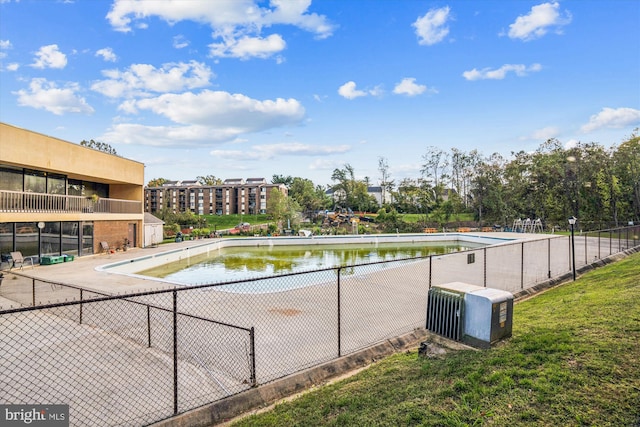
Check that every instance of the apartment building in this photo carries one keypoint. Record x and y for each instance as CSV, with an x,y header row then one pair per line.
x,y
57,197
233,196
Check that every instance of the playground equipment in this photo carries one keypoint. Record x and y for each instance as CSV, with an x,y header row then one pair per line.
x,y
527,226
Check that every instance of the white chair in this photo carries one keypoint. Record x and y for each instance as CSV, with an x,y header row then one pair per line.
x,y
18,259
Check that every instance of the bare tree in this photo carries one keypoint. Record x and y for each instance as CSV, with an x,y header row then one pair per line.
x,y
385,182
435,167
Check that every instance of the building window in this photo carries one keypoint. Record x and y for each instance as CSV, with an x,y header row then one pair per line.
x,y
10,179
50,239
56,184
6,237
87,238
27,238
35,182
75,187
70,243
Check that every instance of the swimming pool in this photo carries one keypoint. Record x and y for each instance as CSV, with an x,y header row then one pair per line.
x,y
241,263
224,260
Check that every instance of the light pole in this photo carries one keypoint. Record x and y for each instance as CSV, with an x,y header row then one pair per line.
x,y
572,222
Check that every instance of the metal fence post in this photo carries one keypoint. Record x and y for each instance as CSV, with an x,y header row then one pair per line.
x,y
627,245
549,258
252,343
522,266
81,306
175,352
149,326
586,256
430,269
599,256
619,241
484,250
33,292
339,316
610,241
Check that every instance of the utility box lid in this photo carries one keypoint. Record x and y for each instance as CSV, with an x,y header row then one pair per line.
x,y
459,287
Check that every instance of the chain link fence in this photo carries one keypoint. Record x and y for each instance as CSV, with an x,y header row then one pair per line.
x,y
141,358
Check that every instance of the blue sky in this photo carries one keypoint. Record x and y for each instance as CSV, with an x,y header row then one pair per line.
x,y
247,88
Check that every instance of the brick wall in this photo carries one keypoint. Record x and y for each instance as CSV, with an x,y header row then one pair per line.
x,y
114,233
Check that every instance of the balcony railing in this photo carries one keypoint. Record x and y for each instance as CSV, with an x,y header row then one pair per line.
x,y
19,201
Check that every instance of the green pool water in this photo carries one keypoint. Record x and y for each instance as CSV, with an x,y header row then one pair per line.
x,y
241,263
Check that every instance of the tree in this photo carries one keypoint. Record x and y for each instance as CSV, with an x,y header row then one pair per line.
x,y
281,179
345,186
385,178
311,199
488,190
350,192
209,180
627,168
100,146
156,182
435,167
283,209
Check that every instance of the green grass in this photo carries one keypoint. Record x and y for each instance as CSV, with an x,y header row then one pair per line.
x,y
574,359
230,221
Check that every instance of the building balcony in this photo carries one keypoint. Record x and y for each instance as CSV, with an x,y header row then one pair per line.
x,y
20,201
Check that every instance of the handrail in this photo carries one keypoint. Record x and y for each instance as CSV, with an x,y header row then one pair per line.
x,y
21,201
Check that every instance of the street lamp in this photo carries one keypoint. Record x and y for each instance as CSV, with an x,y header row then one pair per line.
x,y
572,222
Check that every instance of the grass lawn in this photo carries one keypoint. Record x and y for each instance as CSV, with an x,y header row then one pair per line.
x,y
229,221
574,359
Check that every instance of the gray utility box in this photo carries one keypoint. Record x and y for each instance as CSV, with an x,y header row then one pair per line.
x,y
472,314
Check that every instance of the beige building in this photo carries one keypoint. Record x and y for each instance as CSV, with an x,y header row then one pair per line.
x,y
57,197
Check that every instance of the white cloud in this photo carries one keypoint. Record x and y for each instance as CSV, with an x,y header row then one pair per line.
x,y
142,79
500,73
349,91
50,57
431,28
5,44
166,136
237,24
326,164
224,110
45,95
540,19
545,133
205,118
612,118
180,42
269,151
248,47
107,54
13,66
409,87
572,143
3,54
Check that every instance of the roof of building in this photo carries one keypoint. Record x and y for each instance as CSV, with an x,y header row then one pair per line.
x,y
150,219
234,181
